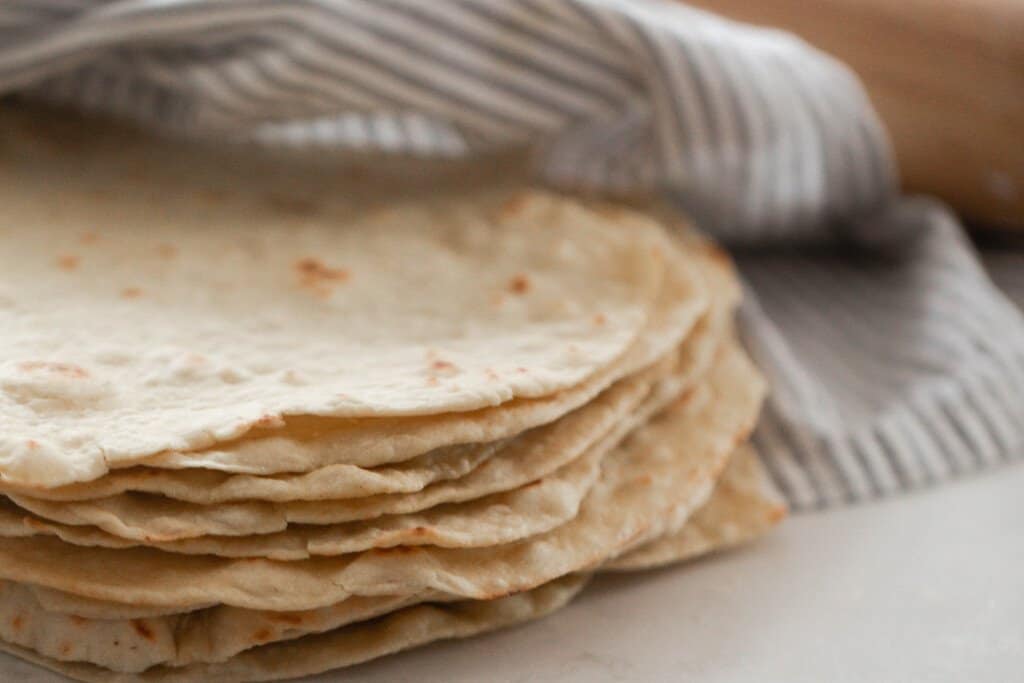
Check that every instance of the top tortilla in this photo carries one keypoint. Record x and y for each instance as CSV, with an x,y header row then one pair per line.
x,y
171,320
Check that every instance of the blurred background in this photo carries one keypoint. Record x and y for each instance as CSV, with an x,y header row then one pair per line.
x,y
947,78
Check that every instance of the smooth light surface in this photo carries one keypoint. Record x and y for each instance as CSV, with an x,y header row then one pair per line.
x,y
923,588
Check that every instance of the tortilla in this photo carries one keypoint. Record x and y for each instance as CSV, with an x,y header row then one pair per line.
x,y
745,505
666,466
346,646
524,459
492,520
98,371
742,506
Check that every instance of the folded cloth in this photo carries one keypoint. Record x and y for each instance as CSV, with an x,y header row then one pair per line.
x,y
894,360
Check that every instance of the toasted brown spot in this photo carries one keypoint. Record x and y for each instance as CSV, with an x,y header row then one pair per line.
x,y
520,284
65,648
317,277
419,531
167,251
261,636
777,514
17,622
66,369
67,262
143,629
443,366
296,206
600,319
513,205
131,293
89,238
268,421
32,444
644,480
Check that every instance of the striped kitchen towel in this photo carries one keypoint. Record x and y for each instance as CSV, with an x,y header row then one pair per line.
x,y
895,362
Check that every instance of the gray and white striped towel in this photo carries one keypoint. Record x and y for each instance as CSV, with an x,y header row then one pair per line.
x,y
895,361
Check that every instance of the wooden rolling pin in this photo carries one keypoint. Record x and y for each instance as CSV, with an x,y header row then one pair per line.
x,y
947,77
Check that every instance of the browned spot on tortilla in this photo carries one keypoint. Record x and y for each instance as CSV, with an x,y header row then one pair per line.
x,y
520,284
295,206
433,381
32,444
286,618
444,367
65,648
419,531
77,620
67,262
261,636
89,238
777,514
686,396
65,369
644,480
269,421
514,205
143,629
600,319
167,251
317,277
131,293
17,622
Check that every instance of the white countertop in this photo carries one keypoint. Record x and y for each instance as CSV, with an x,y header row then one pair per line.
x,y
928,587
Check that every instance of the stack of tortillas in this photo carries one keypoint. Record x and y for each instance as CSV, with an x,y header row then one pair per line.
x,y
257,423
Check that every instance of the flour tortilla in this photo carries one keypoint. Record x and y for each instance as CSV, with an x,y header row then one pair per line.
x,y
492,520
524,459
512,513
742,506
340,481
668,465
306,443
347,646
118,345
745,505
